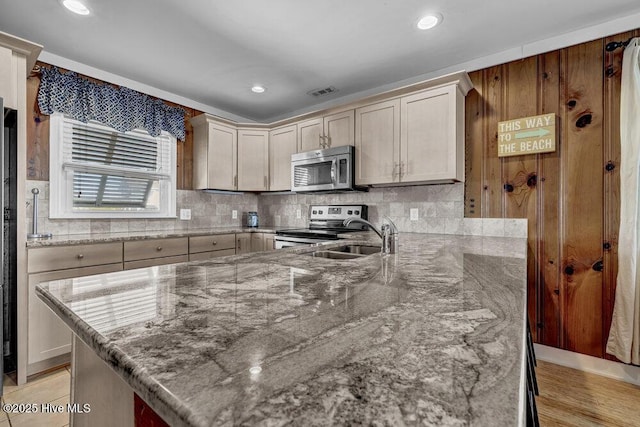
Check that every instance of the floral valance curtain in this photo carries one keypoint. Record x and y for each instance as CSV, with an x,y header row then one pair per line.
x,y
120,108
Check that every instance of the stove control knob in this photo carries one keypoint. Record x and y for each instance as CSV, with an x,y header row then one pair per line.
x,y
320,212
357,212
349,212
315,212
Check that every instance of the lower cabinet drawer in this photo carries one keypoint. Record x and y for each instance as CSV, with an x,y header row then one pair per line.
x,y
211,243
128,265
52,258
201,256
155,248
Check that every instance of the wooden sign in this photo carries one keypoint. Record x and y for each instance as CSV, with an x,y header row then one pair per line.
x,y
536,134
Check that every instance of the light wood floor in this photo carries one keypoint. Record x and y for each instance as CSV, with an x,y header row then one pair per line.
x,y
51,388
574,398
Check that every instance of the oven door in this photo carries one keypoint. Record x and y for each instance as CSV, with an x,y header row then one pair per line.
x,y
322,173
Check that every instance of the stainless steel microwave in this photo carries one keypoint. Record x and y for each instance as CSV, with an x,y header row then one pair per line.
x,y
330,169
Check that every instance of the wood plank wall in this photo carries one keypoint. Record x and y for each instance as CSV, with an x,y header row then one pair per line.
x,y
38,138
570,197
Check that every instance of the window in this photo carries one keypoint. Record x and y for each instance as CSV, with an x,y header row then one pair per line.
x,y
98,172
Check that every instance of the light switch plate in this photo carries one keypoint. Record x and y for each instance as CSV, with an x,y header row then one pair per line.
x,y
234,214
298,213
185,214
413,214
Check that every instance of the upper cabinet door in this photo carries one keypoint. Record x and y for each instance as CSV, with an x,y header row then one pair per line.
x,y
253,160
432,136
377,140
282,144
215,155
8,78
222,157
339,129
309,135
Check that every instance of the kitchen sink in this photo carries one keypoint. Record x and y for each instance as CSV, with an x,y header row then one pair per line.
x,y
358,249
334,255
346,252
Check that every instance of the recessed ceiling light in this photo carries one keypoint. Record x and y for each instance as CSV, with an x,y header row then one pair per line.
x,y
258,89
76,7
429,21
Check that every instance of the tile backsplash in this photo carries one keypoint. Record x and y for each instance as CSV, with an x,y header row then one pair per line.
x,y
440,210
207,210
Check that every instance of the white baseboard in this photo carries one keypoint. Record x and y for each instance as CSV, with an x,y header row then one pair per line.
x,y
594,365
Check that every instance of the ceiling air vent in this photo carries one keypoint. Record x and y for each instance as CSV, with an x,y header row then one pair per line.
x,y
323,92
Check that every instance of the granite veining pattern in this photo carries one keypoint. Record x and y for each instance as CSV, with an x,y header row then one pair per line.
x,y
431,335
89,238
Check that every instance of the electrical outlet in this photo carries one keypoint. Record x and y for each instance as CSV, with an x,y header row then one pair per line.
x,y
298,213
413,214
234,214
185,214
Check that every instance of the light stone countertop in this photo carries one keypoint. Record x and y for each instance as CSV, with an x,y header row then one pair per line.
x,y
431,335
82,239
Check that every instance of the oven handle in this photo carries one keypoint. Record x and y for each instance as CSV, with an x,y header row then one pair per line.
x,y
307,240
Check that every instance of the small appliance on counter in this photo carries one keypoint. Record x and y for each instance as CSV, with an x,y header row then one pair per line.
x,y
325,223
252,219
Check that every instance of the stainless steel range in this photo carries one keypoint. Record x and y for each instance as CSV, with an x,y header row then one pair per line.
x,y
325,224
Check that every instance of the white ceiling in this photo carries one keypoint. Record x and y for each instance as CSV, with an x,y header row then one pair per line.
x,y
213,51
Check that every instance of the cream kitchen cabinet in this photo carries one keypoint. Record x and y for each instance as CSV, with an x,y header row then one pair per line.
x,y
17,58
377,143
150,252
207,247
282,144
243,243
215,154
334,130
269,241
432,136
48,338
417,138
8,78
253,160
262,242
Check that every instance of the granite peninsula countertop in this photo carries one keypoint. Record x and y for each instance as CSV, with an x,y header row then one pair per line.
x,y
89,238
432,335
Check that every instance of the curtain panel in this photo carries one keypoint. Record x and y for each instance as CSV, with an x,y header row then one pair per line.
x,y
120,108
624,336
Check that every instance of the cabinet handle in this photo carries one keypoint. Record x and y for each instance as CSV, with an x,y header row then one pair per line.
x,y
215,243
159,248
235,181
402,172
394,172
80,256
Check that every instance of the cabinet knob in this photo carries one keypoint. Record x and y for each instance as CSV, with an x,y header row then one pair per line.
x,y
215,243
159,248
80,256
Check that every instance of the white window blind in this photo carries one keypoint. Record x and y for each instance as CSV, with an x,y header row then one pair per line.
x,y
106,173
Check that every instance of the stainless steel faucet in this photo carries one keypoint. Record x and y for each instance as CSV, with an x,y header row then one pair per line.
x,y
388,233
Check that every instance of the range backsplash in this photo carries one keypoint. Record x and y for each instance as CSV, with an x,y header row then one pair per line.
x,y
440,207
440,210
